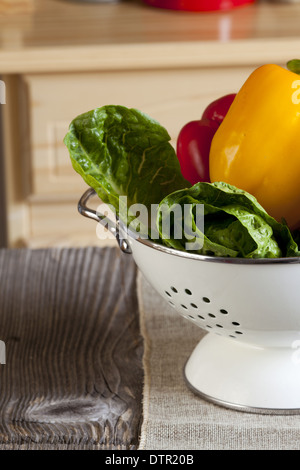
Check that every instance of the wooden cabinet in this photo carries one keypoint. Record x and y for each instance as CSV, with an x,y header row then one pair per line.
x,y
46,214
172,81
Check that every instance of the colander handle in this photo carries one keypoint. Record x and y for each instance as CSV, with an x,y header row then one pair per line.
x,y
113,227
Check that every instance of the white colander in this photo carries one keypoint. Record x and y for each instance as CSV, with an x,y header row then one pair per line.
x,y
250,358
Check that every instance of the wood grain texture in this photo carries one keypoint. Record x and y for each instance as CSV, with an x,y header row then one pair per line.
x,y
73,374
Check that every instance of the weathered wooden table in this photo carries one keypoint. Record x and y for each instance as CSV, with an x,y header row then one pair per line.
x,y
73,374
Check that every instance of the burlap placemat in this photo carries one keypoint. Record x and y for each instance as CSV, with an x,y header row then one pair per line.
x,y
177,419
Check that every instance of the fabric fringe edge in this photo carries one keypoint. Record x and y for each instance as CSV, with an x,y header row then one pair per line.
x,y
146,363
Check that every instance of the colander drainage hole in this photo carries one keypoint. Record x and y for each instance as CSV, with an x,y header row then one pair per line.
x,y
194,305
188,292
212,315
168,293
184,306
200,316
206,299
174,289
224,311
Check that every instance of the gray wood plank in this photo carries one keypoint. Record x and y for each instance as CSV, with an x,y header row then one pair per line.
x,y
73,374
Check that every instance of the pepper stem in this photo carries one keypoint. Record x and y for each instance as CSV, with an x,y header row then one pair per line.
x,y
294,66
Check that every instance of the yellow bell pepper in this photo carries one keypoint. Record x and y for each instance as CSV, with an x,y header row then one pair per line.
x,y
257,146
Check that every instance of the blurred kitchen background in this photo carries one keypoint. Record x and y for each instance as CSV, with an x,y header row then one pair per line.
x,y
60,58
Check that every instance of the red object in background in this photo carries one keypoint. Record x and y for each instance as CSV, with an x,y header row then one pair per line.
x,y
194,140
198,5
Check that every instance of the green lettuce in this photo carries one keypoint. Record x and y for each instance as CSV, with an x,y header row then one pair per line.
x,y
235,224
123,152
127,158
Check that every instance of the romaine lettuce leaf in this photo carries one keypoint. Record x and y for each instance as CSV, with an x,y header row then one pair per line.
x,y
123,152
235,224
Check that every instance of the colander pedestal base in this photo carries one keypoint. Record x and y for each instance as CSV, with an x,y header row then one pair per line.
x,y
245,377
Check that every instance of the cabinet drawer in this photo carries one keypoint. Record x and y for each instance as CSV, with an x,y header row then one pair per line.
x,y
59,224
172,97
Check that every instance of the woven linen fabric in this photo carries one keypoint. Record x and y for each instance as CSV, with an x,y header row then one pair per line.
x,y
177,419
